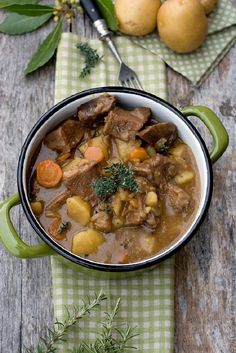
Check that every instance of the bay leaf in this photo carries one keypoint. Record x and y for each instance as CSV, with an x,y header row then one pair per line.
x,y
20,24
46,49
107,10
30,9
6,3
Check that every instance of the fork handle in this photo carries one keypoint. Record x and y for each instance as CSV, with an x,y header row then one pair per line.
x,y
95,17
91,10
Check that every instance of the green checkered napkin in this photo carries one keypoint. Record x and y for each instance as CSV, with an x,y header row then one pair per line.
x,y
198,65
147,300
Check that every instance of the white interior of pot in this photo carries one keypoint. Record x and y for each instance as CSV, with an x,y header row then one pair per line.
x,y
130,100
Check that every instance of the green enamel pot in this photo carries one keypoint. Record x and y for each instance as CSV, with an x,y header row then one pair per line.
x,y
12,241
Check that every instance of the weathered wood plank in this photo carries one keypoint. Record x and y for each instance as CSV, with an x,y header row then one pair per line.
x,y
206,267
25,286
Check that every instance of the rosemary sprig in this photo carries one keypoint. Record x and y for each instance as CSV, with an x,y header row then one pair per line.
x,y
92,58
58,333
111,339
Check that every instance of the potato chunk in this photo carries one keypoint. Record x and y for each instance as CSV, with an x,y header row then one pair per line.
x,y
117,204
184,177
37,207
178,150
151,199
151,151
87,242
78,209
124,148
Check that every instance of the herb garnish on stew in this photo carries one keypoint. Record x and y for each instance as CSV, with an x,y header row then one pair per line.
x,y
62,227
120,176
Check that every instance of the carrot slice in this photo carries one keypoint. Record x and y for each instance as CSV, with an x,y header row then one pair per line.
x,y
48,173
138,153
56,231
94,154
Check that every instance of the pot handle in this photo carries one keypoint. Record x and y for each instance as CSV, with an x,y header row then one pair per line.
x,y
11,240
215,126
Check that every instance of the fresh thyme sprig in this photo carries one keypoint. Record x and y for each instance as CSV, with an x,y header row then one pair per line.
x,y
27,16
58,333
111,339
124,176
92,58
119,176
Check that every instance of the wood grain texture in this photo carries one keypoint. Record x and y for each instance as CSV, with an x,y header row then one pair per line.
x,y
25,286
205,268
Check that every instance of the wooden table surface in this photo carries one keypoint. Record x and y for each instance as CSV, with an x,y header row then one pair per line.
x,y
205,281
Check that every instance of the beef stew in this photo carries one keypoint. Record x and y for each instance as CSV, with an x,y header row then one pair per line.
x,y
114,185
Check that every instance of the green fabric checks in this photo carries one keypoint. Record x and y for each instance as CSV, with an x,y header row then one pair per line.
x,y
198,65
150,69
147,300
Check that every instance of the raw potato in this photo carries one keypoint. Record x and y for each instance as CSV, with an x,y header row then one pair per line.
x,y
209,5
79,210
182,25
137,17
87,242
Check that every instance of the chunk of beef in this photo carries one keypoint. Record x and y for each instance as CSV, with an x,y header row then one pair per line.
x,y
96,108
159,134
156,169
124,124
135,217
78,176
144,185
65,137
134,212
102,221
58,201
152,220
178,199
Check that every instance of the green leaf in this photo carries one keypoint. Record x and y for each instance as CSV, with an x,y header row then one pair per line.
x,y
107,9
6,3
30,10
20,24
46,50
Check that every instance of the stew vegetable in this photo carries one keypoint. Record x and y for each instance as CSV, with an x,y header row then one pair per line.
x,y
112,184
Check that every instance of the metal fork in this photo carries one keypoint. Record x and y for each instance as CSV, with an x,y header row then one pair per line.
x,y
127,76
